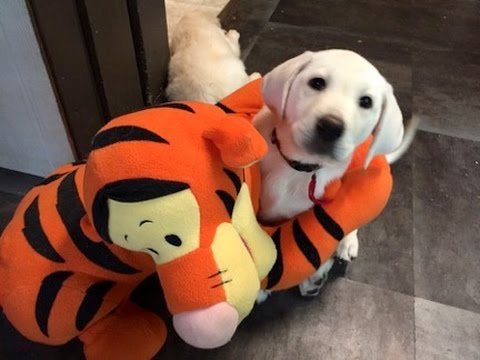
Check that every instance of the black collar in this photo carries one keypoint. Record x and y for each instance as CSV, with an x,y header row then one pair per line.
x,y
294,164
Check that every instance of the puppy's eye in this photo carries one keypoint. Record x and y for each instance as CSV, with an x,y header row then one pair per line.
x,y
317,83
365,102
173,239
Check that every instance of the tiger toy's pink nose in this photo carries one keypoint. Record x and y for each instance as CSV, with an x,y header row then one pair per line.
x,y
207,328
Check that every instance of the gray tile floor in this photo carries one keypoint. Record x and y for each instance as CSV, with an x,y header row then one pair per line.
x,y
414,291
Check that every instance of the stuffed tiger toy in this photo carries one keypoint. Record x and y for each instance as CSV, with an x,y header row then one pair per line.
x,y
163,184
172,184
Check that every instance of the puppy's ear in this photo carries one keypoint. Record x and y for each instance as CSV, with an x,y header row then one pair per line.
x,y
388,133
278,82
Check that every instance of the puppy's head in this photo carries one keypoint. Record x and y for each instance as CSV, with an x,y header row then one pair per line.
x,y
328,102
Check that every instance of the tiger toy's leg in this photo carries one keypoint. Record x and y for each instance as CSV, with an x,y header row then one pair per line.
x,y
56,308
130,332
63,305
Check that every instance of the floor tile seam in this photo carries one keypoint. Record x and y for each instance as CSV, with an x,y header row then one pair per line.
x,y
445,133
352,33
267,16
447,305
248,49
414,237
259,23
414,324
378,287
19,191
411,43
428,46
415,287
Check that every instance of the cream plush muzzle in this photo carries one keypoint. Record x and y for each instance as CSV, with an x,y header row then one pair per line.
x,y
245,253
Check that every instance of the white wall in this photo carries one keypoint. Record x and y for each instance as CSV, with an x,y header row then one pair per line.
x,y
32,135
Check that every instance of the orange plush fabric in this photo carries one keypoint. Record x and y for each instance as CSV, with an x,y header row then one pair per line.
x,y
155,192
310,239
162,192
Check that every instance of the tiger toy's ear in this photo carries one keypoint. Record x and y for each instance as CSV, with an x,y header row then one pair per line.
x,y
239,143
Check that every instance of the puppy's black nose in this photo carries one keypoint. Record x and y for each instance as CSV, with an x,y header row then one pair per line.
x,y
330,128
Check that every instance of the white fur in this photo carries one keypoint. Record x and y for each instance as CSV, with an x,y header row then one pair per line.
x,y
347,250
205,64
293,108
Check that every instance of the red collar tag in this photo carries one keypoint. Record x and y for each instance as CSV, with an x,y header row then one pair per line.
x,y
311,192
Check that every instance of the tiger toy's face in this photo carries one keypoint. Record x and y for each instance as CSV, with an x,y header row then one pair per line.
x,y
167,182
151,225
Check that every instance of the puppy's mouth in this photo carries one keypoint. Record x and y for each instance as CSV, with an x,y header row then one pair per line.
x,y
325,152
324,149
328,154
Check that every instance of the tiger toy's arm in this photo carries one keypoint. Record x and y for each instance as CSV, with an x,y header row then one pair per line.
x,y
307,241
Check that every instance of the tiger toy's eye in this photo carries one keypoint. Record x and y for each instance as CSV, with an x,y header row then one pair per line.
x,y
155,226
173,240
365,102
317,83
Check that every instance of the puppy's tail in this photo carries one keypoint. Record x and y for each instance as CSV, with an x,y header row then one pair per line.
x,y
410,131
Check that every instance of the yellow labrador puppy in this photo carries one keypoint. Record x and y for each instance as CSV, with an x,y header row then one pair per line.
x,y
319,106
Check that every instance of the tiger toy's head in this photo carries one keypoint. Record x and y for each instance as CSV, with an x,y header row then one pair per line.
x,y
168,181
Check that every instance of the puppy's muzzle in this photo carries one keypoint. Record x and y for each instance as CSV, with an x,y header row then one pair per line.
x,y
329,128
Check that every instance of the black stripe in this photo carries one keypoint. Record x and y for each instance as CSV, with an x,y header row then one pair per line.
x,y
178,106
141,189
35,235
225,108
276,273
91,303
328,223
50,179
47,294
227,200
235,179
71,211
124,133
305,245
131,190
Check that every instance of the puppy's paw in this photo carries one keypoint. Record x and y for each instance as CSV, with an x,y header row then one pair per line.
x,y
255,76
347,252
262,295
233,35
348,247
310,288
313,285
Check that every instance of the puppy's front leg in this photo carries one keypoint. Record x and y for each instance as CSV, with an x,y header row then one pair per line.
x,y
233,38
347,250
348,247
254,76
313,285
